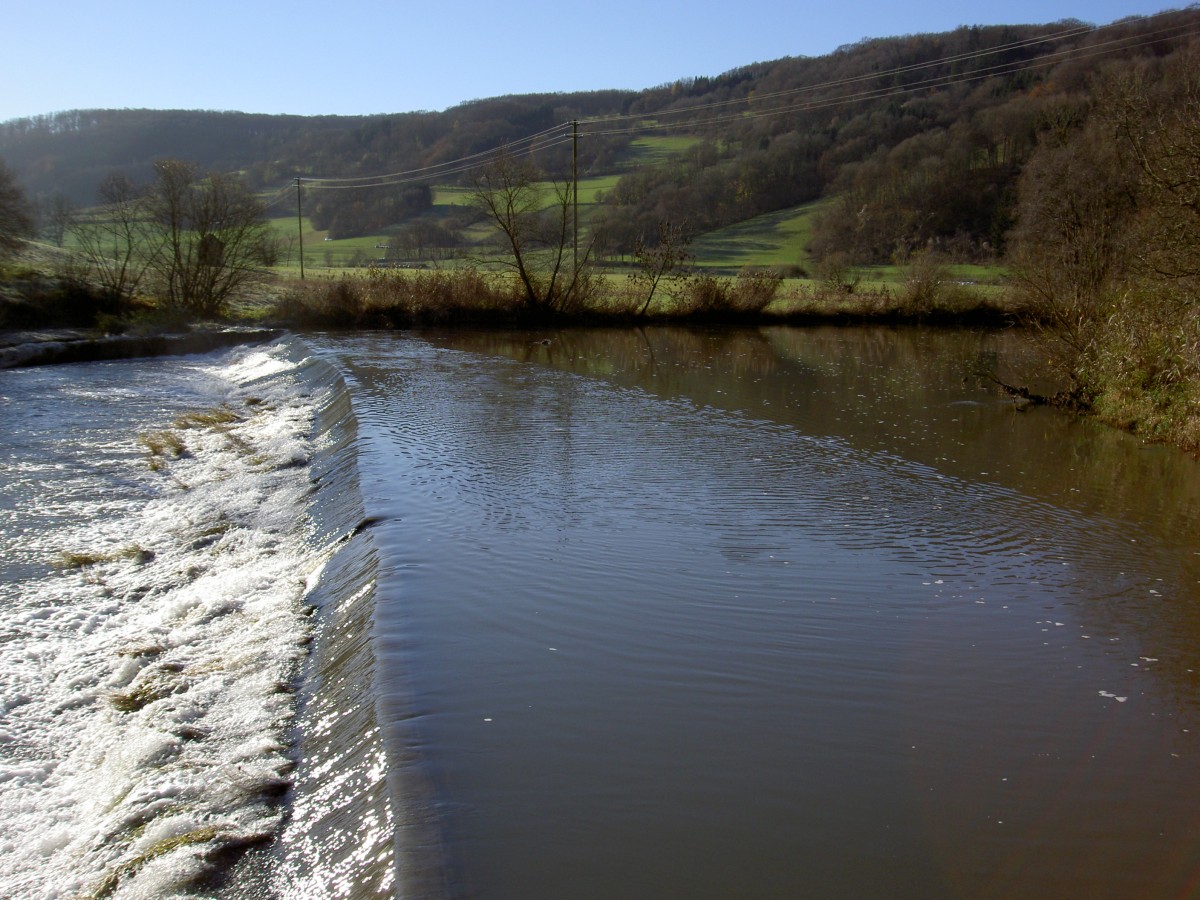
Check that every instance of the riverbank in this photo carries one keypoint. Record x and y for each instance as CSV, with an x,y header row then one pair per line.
x,y
39,348
1134,385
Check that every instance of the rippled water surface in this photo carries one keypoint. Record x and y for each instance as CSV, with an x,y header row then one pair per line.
x,y
777,613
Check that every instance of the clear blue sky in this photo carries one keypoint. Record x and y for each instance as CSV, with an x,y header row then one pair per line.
x,y
352,57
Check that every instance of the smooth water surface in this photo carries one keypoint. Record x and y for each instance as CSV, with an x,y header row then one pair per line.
x,y
777,613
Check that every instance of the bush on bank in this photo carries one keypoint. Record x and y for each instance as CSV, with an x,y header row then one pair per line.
x,y
401,299
1142,370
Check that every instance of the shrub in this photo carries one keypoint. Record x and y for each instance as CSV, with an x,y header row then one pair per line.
x,y
1142,369
755,290
708,296
929,288
389,299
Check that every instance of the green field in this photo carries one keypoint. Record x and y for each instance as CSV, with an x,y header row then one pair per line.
x,y
775,239
321,252
651,151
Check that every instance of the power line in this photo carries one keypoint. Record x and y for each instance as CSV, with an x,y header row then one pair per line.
x,y
453,166
1130,42
284,193
842,82
440,170
559,135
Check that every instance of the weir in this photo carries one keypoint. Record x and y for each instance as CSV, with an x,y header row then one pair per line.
x,y
202,677
338,836
349,831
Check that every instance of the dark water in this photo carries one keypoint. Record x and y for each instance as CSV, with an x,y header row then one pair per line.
x,y
774,613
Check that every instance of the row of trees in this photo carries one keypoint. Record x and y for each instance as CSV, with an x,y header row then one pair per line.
x,y
1107,245
196,240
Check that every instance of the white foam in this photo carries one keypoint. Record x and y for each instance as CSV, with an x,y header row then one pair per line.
x,y
146,700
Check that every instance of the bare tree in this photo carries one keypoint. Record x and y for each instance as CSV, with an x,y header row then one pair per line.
x,y
659,260
116,239
1156,123
535,221
58,215
16,216
1068,247
214,237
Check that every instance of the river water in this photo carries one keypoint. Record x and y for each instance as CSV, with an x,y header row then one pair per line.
x,y
677,613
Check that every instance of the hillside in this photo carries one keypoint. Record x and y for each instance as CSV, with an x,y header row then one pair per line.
x,y
917,140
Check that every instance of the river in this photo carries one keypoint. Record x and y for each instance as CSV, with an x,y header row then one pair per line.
x,y
700,613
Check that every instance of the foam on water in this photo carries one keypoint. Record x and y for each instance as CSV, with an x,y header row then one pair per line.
x,y
148,687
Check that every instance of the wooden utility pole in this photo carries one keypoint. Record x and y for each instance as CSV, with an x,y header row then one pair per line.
x,y
575,192
300,226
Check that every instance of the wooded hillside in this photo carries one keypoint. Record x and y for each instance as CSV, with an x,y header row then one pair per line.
x,y
918,140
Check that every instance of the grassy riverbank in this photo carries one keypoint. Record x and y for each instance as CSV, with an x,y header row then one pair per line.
x,y
1132,382
468,296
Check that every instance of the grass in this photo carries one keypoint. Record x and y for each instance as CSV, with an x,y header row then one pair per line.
x,y
466,297
778,239
217,420
451,195
206,419
131,867
724,250
334,256
83,559
162,443
590,187
148,691
168,443
650,151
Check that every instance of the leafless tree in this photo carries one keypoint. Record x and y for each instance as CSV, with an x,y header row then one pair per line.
x,y
536,225
1154,115
117,240
1068,248
659,259
57,217
214,237
16,217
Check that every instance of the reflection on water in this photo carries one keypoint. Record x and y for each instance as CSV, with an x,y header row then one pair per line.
x,y
779,612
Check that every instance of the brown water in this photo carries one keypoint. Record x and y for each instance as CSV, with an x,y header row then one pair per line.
x,y
775,613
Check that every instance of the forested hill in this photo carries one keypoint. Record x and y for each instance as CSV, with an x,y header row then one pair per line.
x,y
921,137
69,153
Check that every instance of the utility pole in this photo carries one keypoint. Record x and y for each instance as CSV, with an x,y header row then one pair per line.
x,y
575,192
300,226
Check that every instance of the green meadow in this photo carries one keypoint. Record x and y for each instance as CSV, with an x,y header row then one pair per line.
x,y
654,150
778,240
